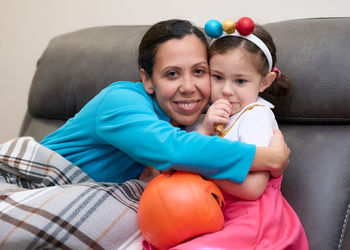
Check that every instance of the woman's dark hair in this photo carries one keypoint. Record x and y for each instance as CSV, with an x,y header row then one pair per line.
x,y
281,85
160,33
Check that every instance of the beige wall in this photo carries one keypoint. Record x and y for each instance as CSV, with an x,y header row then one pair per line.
x,y
27,26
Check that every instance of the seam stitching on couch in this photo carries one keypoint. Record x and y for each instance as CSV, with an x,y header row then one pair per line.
x,y
341,239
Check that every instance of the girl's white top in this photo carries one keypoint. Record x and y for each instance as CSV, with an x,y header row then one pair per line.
x,y
255,126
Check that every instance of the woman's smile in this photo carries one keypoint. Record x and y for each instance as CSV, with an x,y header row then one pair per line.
x,y
188,106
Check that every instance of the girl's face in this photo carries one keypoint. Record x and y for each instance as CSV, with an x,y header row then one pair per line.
x,y
234,77
180,81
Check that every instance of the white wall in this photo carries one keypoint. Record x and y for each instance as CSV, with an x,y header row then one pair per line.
x,y
27,26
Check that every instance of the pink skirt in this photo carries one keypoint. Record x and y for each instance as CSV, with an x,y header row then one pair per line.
x,y
267,223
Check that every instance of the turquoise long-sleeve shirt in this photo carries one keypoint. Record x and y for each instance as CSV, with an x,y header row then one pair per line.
x,y
122,129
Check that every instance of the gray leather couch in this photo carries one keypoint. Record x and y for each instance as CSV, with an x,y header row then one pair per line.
x,y
315,118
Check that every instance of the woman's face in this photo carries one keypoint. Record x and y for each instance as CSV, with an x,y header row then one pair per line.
x,y
180,81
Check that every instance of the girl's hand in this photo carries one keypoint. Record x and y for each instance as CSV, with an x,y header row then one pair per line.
x,y
218,113
282,153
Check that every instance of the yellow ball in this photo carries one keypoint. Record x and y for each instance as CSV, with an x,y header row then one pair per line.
x,y
229,26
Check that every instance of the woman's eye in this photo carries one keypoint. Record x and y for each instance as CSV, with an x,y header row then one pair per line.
x,y
199,71
172,74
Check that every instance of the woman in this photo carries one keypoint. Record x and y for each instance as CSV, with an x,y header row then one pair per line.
x,y
129,125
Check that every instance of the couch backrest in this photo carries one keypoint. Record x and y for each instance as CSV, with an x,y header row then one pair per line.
x,y
314,119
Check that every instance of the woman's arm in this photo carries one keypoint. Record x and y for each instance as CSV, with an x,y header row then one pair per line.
x,y
133,123
274,158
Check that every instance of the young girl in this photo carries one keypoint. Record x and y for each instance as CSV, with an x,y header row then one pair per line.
x,y
256,214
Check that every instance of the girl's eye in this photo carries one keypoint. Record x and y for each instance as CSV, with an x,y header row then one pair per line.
x,y
241,81
217,77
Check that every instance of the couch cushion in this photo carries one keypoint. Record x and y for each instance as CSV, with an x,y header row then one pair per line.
x,y
315,54
77,65
317,181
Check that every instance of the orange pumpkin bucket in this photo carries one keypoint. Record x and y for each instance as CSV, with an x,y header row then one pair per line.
x,y
177,206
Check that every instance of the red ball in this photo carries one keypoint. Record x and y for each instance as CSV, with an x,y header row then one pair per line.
x,y
245,26
177,206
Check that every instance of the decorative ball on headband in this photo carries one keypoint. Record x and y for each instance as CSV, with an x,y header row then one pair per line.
x,y
229,26
213,28
245,26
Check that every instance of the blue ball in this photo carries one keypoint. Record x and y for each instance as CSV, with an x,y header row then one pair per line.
x,y
213,28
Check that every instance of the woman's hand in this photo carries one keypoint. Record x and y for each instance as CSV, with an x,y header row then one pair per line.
x,y
218,113
149,173
282,153
274,158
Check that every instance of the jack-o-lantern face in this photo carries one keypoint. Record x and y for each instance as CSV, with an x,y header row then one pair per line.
x,y
177,206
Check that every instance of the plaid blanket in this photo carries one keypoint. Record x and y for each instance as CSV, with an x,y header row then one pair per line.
x,y
48,202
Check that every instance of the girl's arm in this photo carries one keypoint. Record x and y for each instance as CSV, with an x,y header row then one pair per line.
x,y
251,189
256,181
259,133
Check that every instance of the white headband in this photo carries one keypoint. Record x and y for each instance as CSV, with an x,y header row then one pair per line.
x,y
254,39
